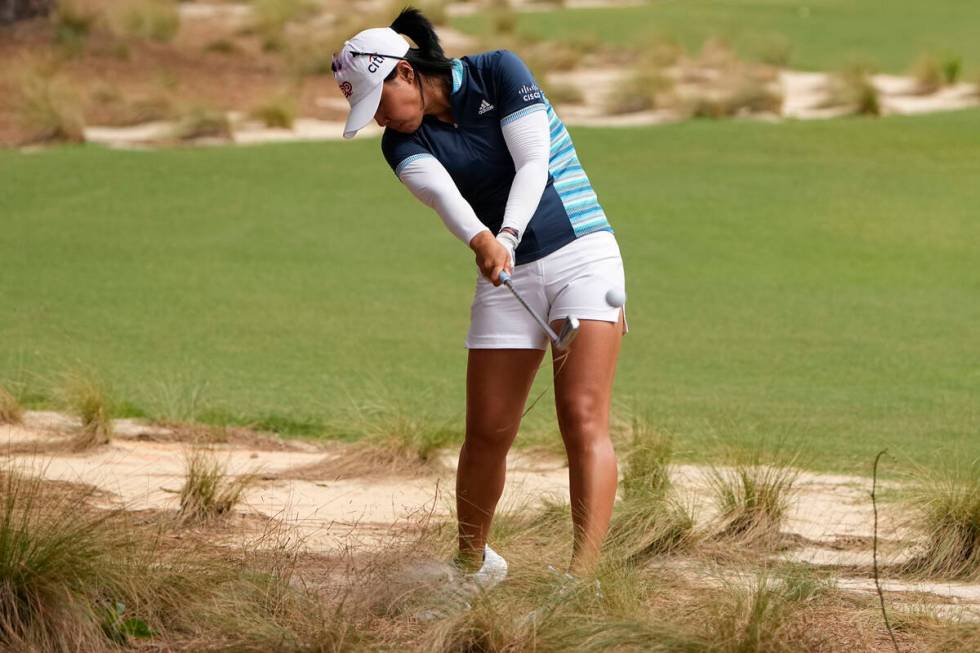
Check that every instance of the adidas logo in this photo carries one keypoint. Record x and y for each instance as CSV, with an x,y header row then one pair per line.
x,y
485,106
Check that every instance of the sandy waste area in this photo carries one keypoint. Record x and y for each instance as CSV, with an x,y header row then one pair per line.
x,y
805,95
830,523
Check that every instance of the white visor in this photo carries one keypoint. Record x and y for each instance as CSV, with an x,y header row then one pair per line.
x,y
360,69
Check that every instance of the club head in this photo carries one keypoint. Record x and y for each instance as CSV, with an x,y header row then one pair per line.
x,y
567,334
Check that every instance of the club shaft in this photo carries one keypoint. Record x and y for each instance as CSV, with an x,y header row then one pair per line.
x,y
544,325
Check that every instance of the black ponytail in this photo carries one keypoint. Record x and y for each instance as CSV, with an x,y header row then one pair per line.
x,y
428,58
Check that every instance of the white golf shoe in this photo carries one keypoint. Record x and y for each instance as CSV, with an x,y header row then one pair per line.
x,y
462,587
492,571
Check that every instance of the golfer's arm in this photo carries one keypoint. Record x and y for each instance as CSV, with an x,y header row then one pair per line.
x,y
528,139
430,182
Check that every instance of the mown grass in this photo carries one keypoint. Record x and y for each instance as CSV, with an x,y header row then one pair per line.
x,y
814,282
808,35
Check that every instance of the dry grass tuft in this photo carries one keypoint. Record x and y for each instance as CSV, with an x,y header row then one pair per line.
x,y
647,462
152,20
728,87
74,20
543,57
852,88
650,520
89,399
750,616
62,566
952,69
107,105
48,107
647,88
200,123
503,17
928,74
558,93
11,412
208,491
753,496
650,526
76,578
948,513
391,438
738,96
270,18
308,52
278,111
714,84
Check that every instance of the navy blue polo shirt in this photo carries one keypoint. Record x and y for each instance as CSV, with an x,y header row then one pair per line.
x,y
488,91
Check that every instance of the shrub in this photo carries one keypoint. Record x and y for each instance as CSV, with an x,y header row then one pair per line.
x,y
74,20
48,108
952,68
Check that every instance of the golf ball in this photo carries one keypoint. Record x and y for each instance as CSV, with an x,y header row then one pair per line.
x,y
616,297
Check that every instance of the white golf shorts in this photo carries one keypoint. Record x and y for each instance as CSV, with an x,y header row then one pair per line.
x,y
572,281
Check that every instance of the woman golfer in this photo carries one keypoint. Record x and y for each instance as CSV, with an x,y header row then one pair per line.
x,y
476,139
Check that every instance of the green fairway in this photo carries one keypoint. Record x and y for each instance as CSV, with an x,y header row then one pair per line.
x,y
817,282
823,34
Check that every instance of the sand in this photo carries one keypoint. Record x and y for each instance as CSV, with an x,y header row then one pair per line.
x,y
143,469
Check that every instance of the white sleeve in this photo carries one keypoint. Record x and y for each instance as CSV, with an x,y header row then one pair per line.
x,y
430,182
529,142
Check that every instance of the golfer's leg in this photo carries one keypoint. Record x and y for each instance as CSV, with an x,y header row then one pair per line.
x,y
497,385
583,393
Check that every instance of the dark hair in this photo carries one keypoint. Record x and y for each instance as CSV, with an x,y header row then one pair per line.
x,y
428,58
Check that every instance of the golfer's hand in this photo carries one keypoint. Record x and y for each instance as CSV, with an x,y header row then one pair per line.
x,y
491,256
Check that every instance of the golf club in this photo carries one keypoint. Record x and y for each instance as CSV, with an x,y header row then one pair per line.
x,y
569,329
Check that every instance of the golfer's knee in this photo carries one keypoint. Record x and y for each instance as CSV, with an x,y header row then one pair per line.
x,y
489,439
583,417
